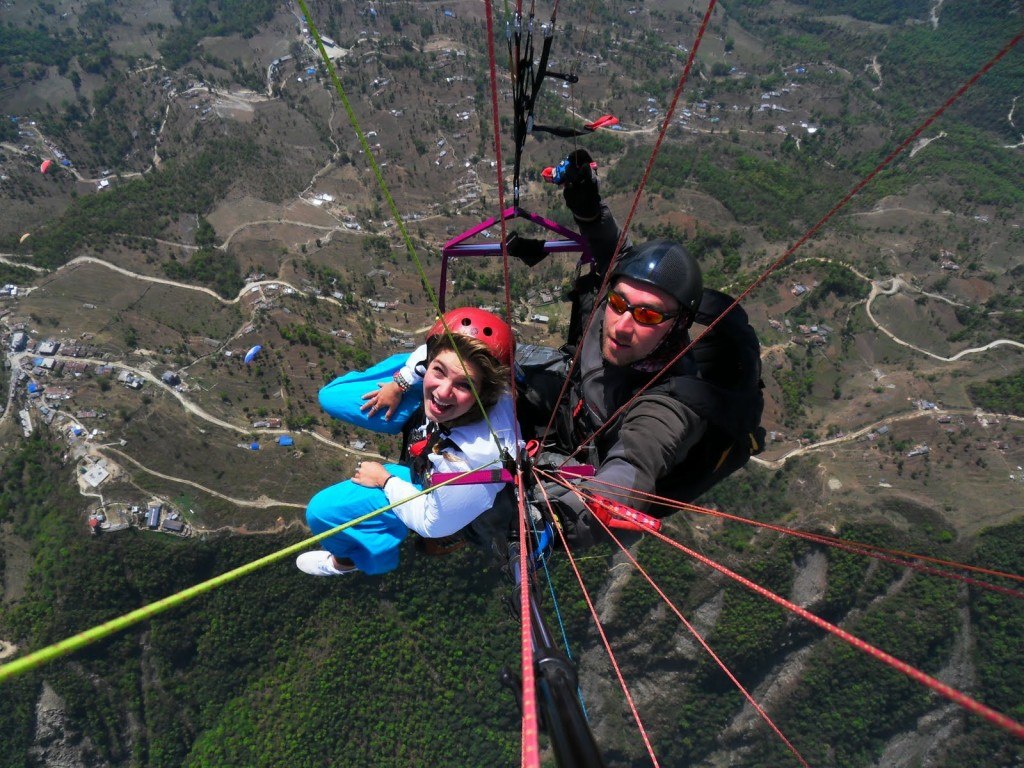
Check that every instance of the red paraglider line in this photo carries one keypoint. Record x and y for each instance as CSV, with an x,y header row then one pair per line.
x,y
704,644
683,78
957,697
604,637
893,556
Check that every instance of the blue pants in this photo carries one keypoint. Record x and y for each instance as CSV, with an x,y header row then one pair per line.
x,y
372,544
342,398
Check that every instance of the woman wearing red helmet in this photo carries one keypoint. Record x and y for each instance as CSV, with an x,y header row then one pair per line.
x,y
468,357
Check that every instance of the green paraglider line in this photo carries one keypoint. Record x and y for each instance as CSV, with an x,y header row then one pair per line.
x,y
354,121
367,153
45,655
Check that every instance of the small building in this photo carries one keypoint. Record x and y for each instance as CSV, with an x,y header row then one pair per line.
x,y
76,367
48,347
153,516
19,341
285,440
170,378
173,526
254,446
129,379
96,475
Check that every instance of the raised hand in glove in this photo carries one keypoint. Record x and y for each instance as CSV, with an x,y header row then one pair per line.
x,y
579,187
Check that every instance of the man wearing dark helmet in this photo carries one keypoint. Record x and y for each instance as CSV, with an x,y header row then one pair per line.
x,y
674,439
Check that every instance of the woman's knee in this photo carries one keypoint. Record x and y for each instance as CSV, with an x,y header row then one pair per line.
x,y
328,507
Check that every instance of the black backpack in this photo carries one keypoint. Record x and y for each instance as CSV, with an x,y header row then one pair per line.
x,y
728,393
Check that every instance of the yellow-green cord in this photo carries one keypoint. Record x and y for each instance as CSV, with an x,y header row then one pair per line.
x,y
76,642
354,122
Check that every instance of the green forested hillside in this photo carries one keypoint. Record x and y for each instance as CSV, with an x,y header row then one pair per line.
x,y
282,669
277,669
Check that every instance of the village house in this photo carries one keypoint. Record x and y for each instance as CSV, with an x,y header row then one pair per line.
x,y
48,347
57,393
76,367
130,380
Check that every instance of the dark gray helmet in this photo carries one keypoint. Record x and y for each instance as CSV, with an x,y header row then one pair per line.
x,y
665,265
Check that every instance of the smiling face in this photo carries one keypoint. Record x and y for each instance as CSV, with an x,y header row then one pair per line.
x,y
447,394
624,341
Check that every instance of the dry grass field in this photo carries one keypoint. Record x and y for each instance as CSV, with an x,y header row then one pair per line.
x,y
422,105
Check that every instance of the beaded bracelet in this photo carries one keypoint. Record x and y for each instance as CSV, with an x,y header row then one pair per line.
x,y
401,382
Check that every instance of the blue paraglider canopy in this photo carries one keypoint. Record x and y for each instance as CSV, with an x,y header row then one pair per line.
x,y
251,354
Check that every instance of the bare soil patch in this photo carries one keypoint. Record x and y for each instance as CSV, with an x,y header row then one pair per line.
x,y
927,324
965,463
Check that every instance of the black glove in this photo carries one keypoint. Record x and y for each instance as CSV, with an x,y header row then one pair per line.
x,y
579,188
528,250
581,530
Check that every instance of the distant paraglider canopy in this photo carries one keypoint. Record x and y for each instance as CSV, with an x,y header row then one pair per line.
x,y
251,354
24,237
45,166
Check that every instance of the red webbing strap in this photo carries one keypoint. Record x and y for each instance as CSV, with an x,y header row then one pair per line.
x,y
530,747
530,750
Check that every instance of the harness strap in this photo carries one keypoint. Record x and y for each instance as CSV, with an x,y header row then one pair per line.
x,y
722,458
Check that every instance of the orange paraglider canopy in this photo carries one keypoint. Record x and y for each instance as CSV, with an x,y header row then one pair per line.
x,y
45,166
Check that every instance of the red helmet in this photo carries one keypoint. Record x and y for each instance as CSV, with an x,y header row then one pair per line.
x,y
480,325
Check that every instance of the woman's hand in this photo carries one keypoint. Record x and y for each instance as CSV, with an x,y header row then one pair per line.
x,y
387,396
371,474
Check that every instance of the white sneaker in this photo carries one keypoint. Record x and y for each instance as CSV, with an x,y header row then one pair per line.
x,y
320,563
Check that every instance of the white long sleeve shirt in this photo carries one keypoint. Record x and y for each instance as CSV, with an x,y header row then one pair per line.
x,y
451,508
416,359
